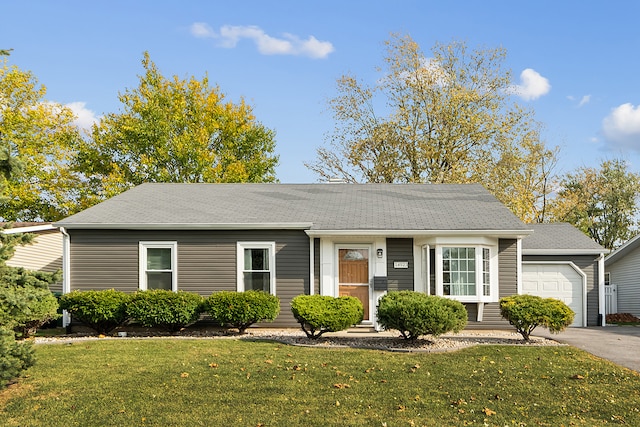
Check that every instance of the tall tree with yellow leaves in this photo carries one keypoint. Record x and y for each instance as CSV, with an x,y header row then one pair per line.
x,y
447,118
176,130
37,142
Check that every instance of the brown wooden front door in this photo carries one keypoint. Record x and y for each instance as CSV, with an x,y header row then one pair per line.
x,y
353,275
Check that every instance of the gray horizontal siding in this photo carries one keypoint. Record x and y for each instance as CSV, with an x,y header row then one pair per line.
x,y
508,284
589,265
206,261
400,279
625,274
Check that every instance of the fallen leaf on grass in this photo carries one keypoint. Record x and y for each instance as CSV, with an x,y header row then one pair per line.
x,y
184,375
213,365
488,412
341,385
269,361
577,377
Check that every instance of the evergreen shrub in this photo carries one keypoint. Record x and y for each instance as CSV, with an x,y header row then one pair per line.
x,y
165,309
242,309
318,314
103,311
526,312
415,314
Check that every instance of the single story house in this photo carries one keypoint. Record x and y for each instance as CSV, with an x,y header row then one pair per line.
x,y
622,268
363,240
559,261
45,252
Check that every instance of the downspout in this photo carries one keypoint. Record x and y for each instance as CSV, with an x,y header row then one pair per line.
x,y
66,272
601,302
311,265
518,267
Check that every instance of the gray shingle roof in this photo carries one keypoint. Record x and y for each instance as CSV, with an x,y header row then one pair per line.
x,y
559,237
319,206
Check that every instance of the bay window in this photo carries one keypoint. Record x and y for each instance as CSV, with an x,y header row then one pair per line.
x,y
467,273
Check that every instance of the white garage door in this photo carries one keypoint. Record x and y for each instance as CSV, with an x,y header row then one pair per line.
x,y
560,281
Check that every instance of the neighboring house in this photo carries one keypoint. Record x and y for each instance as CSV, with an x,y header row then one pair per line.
x,y
559,261
290,239
44,254
622,267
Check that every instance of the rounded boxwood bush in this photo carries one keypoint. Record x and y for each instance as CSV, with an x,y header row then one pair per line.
x,y
165,309
415,314
526,312
242,309
103,311
318,314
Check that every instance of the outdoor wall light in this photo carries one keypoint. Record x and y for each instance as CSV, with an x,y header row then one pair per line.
x,y
379,252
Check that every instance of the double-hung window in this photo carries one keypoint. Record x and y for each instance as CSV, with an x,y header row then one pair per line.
x,y
158,265
256,266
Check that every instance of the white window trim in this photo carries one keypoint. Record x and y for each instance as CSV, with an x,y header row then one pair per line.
x,y
240,247
142,262
493,271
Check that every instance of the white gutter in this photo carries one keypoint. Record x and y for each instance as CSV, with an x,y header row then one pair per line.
x,y
563,251
29,229
391,233
66,271
189,226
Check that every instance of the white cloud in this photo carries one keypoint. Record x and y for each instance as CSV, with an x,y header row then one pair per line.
x,y
85,118
621,128
584,101
288,44
532,85
201,30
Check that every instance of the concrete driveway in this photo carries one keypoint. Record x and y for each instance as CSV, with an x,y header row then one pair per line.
x,y
619,344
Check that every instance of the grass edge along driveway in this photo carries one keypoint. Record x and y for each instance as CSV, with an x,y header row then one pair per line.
x,y
164,382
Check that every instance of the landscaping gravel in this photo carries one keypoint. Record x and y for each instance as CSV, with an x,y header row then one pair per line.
x,y
381,341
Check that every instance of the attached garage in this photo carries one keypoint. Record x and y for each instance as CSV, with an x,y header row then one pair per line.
x,y
559,261
563,281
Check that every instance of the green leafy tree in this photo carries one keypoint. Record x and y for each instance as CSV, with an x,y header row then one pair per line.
x,y
37,140
176,130
600,202
445,119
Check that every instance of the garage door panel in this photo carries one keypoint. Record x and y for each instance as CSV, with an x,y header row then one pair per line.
x,y
558,281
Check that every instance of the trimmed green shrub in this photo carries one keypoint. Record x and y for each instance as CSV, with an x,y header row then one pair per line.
x,y
526,312
242,309
318,314
15,356
165,309
103,311
415,314
26,308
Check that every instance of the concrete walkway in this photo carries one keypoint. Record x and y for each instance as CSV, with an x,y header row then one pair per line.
x,y
619,344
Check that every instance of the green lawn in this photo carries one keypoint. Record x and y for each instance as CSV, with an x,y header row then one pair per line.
x,y
222,382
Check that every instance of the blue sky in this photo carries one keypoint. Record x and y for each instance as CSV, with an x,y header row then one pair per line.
x,y
581,60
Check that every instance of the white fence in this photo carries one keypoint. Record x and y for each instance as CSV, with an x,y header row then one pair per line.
x,y
610,299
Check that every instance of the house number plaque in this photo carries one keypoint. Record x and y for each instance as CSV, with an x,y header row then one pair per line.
x,y
400,264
